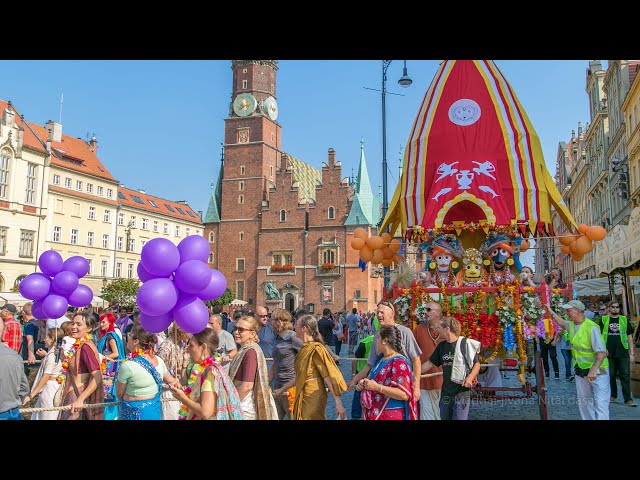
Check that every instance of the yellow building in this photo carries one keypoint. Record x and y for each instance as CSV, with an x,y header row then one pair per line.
x,y
631,112
56,194
24,170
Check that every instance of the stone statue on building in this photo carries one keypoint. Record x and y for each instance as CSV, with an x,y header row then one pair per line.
x,y
271,292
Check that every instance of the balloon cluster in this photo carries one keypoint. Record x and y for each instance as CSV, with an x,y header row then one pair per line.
x,y
58,286
376,249
176,281
579,246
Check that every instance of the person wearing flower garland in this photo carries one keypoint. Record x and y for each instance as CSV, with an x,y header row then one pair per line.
x,y
460,368
111,347
248,370
81,373
426,334
285,350
45,383
174,353
387,394
139,381
315,368
209,394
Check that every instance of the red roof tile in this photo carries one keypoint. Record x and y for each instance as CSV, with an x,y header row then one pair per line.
x,y
160,202
72,153
87,196
634,68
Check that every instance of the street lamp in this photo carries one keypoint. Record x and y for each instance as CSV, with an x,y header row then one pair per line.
x,y
404,81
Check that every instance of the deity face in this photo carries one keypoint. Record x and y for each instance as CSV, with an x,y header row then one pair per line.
x,y
444,261
472,272
499,258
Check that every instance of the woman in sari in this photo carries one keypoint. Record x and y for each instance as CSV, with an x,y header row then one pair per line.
x,y
248,370
388,392
173,352
314,368
139,382
210,394
81,373
111,347
45,382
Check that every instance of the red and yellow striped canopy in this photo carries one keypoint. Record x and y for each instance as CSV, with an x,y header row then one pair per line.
x,y
473,155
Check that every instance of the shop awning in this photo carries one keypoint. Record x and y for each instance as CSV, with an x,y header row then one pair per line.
x,y
600,286
621,247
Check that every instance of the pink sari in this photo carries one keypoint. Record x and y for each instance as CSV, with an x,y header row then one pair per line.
x,y
393,372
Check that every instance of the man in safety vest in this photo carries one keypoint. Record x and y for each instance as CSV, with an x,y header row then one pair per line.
x,y
589,361
617,335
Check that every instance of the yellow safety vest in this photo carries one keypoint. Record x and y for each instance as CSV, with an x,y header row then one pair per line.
x,y
581,348
622,321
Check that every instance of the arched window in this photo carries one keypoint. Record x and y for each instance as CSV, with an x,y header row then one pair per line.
x,y
329,256
211,239
211,258
331,213
283,215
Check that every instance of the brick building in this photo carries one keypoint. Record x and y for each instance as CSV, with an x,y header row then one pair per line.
x,y
279,229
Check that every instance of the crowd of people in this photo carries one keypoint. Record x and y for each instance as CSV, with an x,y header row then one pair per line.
x,y
274,365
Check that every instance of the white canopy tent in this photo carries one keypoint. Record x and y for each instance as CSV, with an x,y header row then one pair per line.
x,y
600,286
238,303
14,298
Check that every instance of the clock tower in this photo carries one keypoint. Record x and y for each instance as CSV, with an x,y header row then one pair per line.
x,y
252,149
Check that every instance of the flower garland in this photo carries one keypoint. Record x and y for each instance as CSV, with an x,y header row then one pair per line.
x,y
195,372
67,357
291,396
139,352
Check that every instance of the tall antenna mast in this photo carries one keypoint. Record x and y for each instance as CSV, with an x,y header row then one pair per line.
x,y
61,100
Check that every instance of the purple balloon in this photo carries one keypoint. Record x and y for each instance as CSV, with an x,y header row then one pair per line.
x,y
192,276
36,310
65,282
54,306
50,262
143,275
160,257
215,289
81,296
155,324
35,286
157,296
194,247
191,314
77,265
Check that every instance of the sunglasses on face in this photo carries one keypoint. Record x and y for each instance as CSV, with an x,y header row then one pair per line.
x,y
615,306
242,330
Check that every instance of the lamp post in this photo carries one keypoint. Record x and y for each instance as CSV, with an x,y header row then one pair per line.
x,y
404,81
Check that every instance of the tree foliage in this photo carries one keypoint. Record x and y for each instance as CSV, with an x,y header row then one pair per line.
x,y
121,291
227,297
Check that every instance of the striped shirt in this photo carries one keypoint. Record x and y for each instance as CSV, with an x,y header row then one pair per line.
x,y
12,334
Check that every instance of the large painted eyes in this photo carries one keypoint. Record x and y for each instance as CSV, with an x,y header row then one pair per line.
x,y
495,252
503,252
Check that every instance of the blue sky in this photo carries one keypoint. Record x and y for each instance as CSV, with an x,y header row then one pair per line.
x,y
160,124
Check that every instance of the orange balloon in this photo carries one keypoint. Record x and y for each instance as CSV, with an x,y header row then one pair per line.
x,y
567,239
387,253
572,248
565,249
596,233
387,262
360,233
524,245
357,243
397,258
366,254
377,257
395,245
375,242
583,245
583,227
387,238
576,258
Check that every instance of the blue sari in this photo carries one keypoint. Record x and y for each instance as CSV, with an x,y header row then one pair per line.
x,y
149,409
110,374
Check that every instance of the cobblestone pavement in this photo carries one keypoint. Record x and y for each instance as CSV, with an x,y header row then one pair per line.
x,y
561,400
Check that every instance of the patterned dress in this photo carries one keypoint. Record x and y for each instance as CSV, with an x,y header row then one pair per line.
x,y
392,372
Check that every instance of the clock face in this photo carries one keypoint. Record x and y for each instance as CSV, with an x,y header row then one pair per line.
x,y
271,107
244,104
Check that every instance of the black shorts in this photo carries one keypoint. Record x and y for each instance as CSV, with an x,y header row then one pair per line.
x,y
353,338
